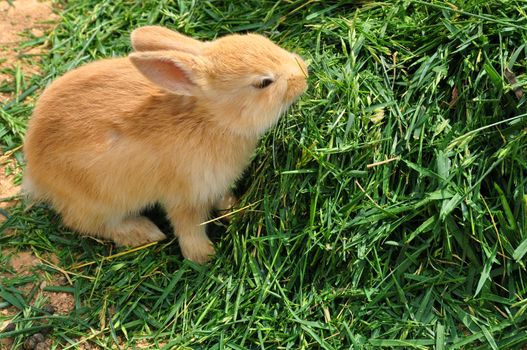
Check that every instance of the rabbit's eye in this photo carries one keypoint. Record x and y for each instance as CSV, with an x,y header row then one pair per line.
x,y
265,82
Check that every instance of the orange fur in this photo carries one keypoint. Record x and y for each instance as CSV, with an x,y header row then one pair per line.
x,y
175,125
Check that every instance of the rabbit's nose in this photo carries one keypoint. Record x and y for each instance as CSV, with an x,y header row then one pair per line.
x,y
296,86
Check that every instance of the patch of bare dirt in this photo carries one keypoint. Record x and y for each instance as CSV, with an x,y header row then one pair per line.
x,y
144,344
8,188
19,21
61,303
18,17
23,262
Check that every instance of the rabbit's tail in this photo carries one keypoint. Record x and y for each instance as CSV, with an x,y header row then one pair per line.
x,y
29,190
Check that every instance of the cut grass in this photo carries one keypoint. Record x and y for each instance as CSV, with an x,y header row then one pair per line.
x,y
389,205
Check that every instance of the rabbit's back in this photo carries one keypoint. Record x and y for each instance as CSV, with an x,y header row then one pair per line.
x,y
86,131
74,110
114,138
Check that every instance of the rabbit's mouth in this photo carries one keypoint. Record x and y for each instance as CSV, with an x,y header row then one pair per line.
x,y
297,85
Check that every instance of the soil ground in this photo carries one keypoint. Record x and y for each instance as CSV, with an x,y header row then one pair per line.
x,y
19,21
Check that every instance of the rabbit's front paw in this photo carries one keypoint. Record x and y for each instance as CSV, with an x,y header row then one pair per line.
x,y
197,247
135,231
226,203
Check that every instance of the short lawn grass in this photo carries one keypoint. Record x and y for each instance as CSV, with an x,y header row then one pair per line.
x,y
388,209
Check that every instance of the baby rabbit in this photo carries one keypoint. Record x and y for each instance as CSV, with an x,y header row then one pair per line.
x,y
175,122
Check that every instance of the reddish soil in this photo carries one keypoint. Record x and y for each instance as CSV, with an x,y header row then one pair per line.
x,y
19,20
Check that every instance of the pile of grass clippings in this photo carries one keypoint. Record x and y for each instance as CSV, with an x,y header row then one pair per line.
x,y
388,209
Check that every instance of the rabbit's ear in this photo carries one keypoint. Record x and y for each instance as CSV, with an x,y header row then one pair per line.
x,y
156,38
179,73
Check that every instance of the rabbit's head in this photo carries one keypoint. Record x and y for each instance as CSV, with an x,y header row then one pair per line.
x,y
244,82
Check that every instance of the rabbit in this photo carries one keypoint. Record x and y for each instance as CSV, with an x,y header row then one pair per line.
x,y
175,122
